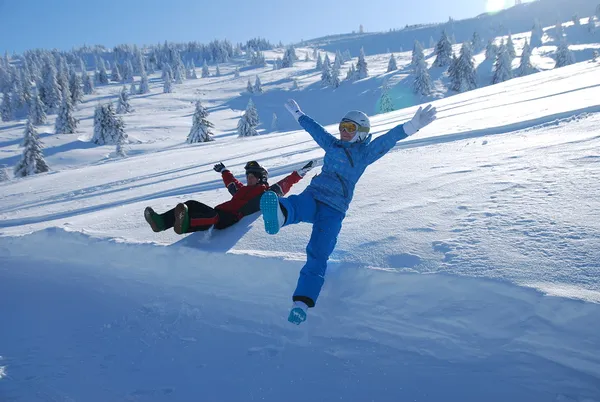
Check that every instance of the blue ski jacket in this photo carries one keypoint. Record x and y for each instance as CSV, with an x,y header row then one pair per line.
x,y
344,162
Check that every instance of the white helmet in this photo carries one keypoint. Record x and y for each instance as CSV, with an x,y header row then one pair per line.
x,y
363,122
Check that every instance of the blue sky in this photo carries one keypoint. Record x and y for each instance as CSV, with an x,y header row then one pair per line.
x,y
63,24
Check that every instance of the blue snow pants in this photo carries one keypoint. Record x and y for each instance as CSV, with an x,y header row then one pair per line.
x,y
327,223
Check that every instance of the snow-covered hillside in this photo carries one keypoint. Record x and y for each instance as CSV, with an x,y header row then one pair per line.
x,y
467,268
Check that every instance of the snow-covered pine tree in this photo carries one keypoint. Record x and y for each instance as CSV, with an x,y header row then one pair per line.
x,y
167,71
218,71
37,114
347,55
107,125
417,54
559,32
75,87
200,131
295,85
476,42
564,56
133,90
392,64
502,66
205,72
127,71
116,73
49,89
525,67
275,123
144,86
443,51
351,73
319,65
536,34
102,74
248,122
168,84
178,75
3,174
66,123
463,77
510,48
335,76
250,87
338,61
236,72
32,161
591,25
120,137
258,85
82,67
289,57
326,72
361,65
6,108
422,82
453,74
88,84
386,104
491,50
123,105
306,57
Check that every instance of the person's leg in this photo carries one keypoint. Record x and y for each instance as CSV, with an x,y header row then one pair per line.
x,y
193,216
326,227
278,212
159,222
225,219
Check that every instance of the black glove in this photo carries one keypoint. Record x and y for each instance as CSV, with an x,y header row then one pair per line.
x,y
306,168
219,167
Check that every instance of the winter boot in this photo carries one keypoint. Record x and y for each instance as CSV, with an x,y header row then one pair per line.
x,y
182,219
298,313
154,220
271,211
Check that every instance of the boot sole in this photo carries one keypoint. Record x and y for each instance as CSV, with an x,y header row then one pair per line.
x,y
269,203
148,216
180,213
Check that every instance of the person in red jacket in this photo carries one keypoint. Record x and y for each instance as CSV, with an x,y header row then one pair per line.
x,y
193,216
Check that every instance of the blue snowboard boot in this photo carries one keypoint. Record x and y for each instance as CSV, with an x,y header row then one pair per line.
x,y
298,313
271,212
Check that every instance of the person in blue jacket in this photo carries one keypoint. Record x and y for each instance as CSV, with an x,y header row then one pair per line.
x,y
325,201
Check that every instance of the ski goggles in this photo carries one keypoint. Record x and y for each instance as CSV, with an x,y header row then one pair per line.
x,y
351,127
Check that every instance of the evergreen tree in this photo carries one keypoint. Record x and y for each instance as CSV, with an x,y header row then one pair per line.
x,y
193,74
108,127
3,174
289,57
6,108
564,56
385,101
88,84
65,122
178,75
591,25
123,105
49,90
559,32
337,62
120,136
82,67
250,87
116,73
274,122
144,86
525,67
417,54
205,72
491,50
335,76
392,64
443,51
218,71
133,89
168,84
236,72
463,77
326,72
502,66
476,42
510,48
347,55
200,131
536,34
75,87
127,71
257,85
248,122
102,75
32,161
167,72
37,114
319,65
295,85
361,65
422,82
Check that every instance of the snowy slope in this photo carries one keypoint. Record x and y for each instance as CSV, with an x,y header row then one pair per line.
x,y
438,289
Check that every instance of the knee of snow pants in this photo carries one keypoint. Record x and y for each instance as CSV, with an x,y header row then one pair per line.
x,y
299,208
326,227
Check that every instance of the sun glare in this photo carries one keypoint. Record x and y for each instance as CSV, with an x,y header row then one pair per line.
x,y
494,5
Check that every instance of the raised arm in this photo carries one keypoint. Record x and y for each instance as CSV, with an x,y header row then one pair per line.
x,y
284,185
232,184
381,145
316,131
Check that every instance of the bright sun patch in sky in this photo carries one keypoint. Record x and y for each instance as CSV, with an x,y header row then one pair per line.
x,y
494,5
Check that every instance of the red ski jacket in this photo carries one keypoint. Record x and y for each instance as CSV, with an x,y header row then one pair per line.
x,y
245,200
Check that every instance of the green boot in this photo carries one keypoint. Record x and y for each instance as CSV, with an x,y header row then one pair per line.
x,y
182,219
154,220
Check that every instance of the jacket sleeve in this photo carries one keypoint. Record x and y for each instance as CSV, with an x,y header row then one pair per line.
x,y
317,132
284,185
381,145
232,184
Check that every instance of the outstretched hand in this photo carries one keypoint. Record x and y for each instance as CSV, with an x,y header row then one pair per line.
x,y
306,168
293,108
219,167
421,118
